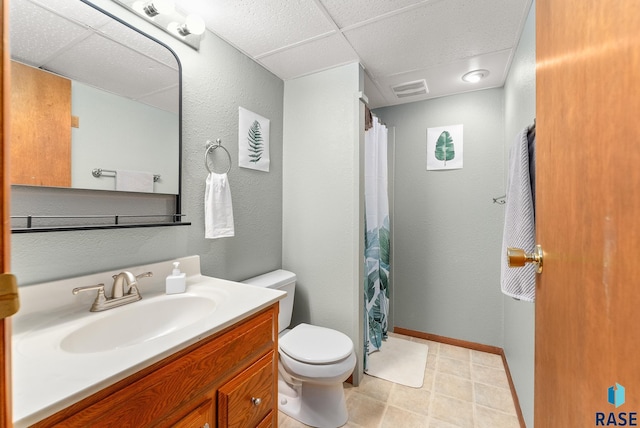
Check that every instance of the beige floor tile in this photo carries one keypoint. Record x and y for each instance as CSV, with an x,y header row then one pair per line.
x,y
454,367
434,347
453,386
285,421
462,389
429,377
415,400
494,397
350,424
489,376
395,418
452,410
432,361
437,423
365,411
487,359
489,418
454,352
375,388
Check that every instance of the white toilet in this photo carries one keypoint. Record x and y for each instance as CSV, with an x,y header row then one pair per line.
x,y
314,362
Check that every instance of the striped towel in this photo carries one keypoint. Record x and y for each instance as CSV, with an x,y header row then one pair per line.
x,y
519,222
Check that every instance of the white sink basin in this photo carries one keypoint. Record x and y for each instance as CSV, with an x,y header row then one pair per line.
x,y
137,323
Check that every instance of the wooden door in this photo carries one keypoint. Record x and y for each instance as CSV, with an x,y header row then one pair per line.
x,y
5,328
588,210
40,127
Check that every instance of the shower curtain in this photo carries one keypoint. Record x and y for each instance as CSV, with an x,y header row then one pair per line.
x,y
377,235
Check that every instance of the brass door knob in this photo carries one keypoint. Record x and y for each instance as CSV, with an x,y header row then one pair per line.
x,y
517,257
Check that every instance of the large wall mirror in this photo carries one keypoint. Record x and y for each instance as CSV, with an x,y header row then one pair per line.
x,y
95,120
91,98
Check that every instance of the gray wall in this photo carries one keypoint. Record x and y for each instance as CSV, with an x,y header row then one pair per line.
x,y
519,320
323,199
216,80
447,231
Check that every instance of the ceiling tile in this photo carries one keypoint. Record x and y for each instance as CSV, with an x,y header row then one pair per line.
x,y
446,79
348,13
257,26
304,59
37,33
437,33
104,60
143,44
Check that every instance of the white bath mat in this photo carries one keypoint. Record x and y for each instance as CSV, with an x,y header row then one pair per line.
x,y
399,361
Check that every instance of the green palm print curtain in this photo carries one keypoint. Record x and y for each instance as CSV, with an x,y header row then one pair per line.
x,y
376,287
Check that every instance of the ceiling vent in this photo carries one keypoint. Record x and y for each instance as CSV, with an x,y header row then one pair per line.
x,y
411,89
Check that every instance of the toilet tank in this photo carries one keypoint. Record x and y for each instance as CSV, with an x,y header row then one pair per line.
x,y
280,280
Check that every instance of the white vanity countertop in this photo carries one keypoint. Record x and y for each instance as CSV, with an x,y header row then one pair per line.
x,y
47,378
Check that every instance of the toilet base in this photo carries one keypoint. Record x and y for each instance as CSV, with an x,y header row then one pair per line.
x,y
317,405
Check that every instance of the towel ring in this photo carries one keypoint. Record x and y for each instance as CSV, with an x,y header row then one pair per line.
x,y
211,146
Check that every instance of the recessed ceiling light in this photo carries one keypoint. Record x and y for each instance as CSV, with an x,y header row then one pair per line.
x,y
475,76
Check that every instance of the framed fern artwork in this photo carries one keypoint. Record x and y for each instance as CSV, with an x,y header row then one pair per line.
x,y
253,140
444,147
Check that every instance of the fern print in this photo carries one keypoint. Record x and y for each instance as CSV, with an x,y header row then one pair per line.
x,y
444,147
256,145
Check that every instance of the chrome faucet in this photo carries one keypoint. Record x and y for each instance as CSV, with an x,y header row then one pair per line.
x,y
118,297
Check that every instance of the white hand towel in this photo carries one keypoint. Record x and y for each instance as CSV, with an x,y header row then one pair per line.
x,y
134,181
519,223
218,211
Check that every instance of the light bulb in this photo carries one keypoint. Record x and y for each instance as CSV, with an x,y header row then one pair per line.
x,y
192,25
475,76
157,7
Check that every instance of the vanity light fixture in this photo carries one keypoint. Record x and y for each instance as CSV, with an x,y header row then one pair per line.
x,y
188,28
157,7
475,76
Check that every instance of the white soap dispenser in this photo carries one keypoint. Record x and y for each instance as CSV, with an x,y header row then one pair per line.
x,y
177,281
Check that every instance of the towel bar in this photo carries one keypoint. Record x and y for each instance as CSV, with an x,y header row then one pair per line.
x,y
99,172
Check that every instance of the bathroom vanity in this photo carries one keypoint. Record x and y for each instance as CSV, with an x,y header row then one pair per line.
x,y
214,363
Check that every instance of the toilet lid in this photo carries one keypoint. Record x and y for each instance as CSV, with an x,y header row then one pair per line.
x,y
316,345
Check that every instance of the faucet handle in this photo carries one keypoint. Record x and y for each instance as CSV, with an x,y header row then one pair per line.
x,y
133,287
100,298
99,287
144,275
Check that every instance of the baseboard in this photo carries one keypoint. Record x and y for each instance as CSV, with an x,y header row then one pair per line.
x,y
476,347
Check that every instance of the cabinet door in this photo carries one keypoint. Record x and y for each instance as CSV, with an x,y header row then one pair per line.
x,y
200,417
246,399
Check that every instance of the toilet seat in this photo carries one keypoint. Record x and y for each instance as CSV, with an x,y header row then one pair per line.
x,y
312,344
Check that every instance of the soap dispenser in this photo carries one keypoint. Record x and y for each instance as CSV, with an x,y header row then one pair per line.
x,y
177,281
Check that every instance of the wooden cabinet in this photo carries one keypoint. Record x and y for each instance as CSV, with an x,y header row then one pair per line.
x,y
227,380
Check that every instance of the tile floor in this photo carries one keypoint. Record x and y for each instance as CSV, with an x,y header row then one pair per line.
x,y
462,388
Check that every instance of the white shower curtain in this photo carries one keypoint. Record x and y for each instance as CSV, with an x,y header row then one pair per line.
x,y
377,242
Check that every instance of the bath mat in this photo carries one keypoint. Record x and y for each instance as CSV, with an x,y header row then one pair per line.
x,y
399,361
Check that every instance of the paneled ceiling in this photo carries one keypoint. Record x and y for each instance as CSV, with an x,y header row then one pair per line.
x,y
421,46
69,38
398,42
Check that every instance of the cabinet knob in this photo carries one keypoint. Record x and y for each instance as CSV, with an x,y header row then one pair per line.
x,y
206,425
256,401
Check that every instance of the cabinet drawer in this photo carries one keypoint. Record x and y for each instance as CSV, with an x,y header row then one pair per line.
x,y
267,422
245,400
201,417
